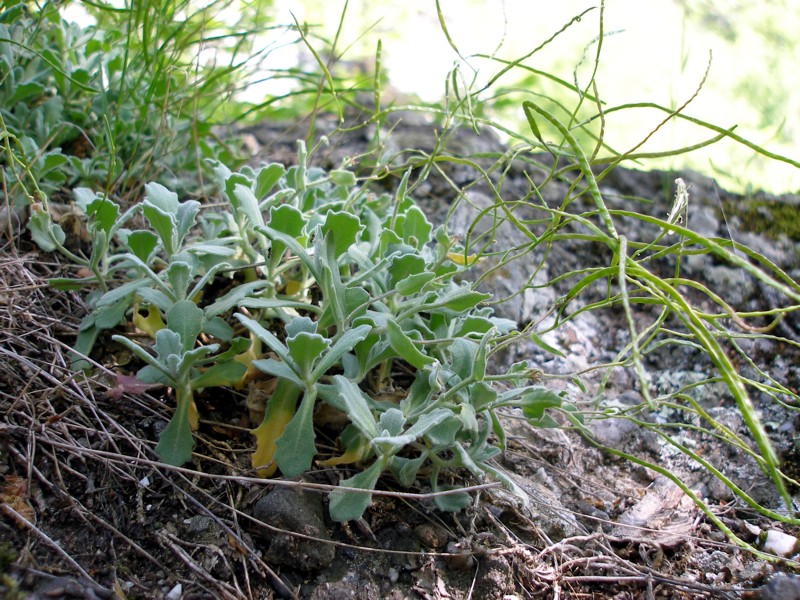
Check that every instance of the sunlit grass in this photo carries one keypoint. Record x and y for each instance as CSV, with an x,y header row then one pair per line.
x,y
653,53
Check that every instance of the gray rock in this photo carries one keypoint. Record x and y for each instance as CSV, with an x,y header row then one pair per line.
x,y
735,284
781,587
615,433
480,220
294,512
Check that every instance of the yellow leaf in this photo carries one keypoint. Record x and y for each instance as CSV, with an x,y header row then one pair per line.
x,y
194,416
280,410
460,259
267,434
150,324
293,287
246,358
352,455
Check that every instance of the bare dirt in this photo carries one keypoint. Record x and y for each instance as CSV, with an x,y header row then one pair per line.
x,y
87,512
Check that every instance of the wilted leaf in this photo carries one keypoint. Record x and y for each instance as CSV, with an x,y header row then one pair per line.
x,y
15,493
356,452
280,410
128,384
460,258
151,324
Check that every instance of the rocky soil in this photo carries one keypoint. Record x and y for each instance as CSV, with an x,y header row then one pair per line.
x,y
88,514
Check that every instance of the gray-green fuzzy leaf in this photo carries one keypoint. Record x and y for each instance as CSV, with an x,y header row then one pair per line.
x,y
186,319
273,367
295,447
346,342
305,349
405,348
357,408
266,337
348,506
392,421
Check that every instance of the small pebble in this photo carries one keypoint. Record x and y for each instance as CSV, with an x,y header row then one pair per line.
x,y
779,543
175,593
